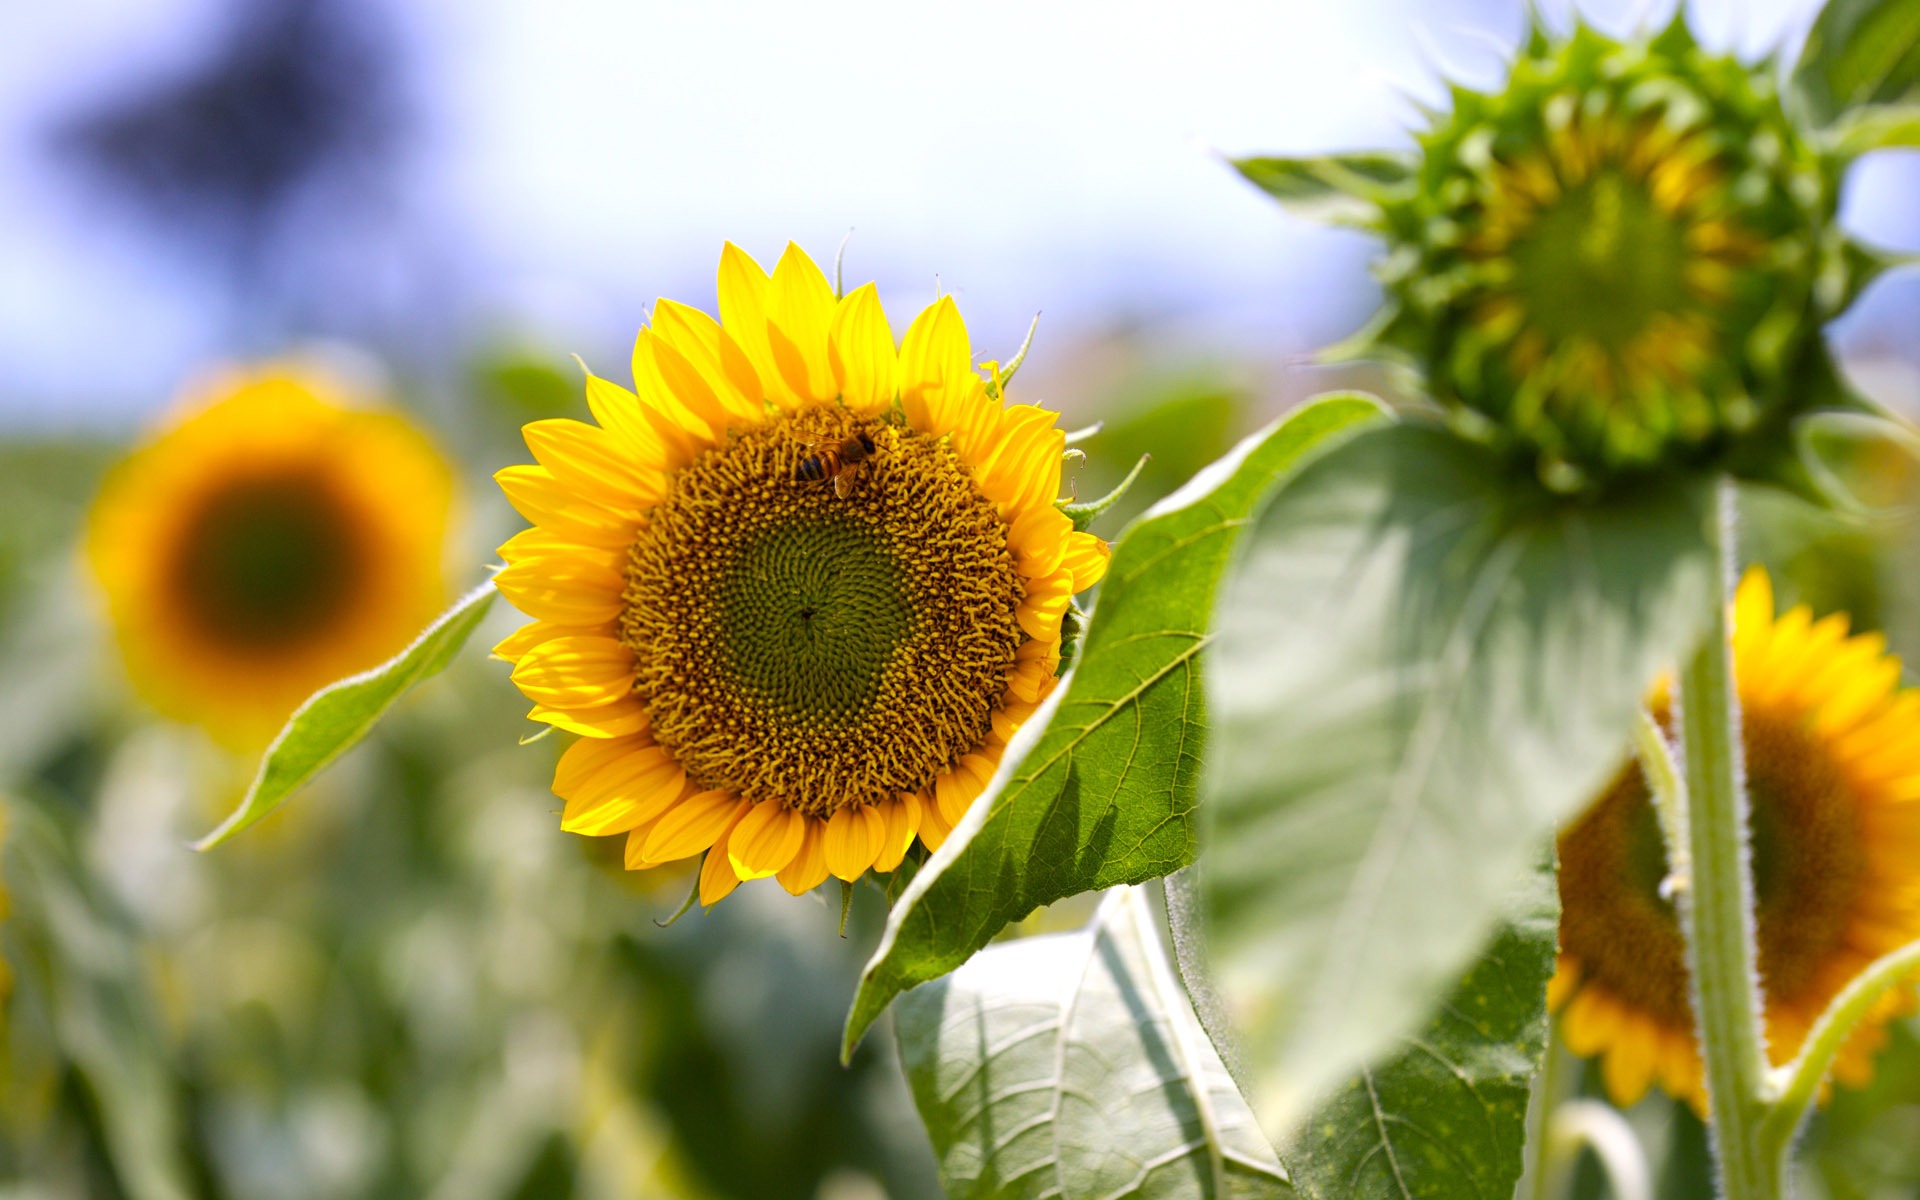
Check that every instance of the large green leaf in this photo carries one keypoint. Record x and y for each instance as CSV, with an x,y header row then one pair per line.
x,y
1071,1066
1859,52
335,718
1340,189
1418,670
1099,789
1445,1118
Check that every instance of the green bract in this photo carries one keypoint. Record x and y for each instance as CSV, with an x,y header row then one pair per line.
x,y
1620,262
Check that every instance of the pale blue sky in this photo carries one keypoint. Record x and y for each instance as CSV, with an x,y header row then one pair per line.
x,y
576,159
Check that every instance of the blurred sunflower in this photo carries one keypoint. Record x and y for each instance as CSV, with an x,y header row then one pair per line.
x,y
1833,777
267,542
798,591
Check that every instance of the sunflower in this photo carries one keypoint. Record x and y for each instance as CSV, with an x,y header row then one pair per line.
x,y
1833,778
268,541
797,590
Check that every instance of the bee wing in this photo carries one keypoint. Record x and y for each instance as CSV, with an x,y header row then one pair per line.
x,y
843,483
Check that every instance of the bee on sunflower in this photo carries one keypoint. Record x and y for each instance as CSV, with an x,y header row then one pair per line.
x,y
796,590
275,535
1833,778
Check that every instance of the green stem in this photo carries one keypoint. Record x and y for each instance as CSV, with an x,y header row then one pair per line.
x,y
1798,1082
1716,905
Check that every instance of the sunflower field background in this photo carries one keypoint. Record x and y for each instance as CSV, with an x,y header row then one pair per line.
x,y
1394,685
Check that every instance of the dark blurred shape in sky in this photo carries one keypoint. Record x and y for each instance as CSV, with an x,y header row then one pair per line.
x,y
191,180
289,123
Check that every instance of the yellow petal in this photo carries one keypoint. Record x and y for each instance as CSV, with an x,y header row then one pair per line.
x,y
565,591
652,442
853,840
588,460
586,758
622,719
1590,1023
1086,559
1628,1066
1753,602
1024,470
717,878
743,314
955,790
808,870
515,645
721,363
766,840
576,673
1039,538
799,312
861,349
902,817
667,383
1045,603
934,828
636,788
935,367
691,825
558,509
541,543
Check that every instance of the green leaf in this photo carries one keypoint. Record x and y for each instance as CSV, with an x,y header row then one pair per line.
x,y
1071,1066
334,719
1859,52
1418,671
1877,127
1099,788
1340,189
87,1001
1446,1116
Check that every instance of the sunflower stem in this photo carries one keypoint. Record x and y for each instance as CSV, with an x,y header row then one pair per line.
x,y
1798,1082
1716,908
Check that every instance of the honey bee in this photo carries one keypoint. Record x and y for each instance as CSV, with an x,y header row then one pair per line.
x,y
840,461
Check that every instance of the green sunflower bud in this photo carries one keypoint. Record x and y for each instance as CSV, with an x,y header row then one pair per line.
x,y
1620,262
1616,261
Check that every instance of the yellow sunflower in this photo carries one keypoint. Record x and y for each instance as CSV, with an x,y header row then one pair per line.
x,y
795,591
268,541
1833,776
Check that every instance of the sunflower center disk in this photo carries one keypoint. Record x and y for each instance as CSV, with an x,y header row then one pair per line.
x,y
1600,264
1808,867
268,562
793,644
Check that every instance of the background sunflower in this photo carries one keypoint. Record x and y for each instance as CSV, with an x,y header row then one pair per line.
x,y
1833,763
269,539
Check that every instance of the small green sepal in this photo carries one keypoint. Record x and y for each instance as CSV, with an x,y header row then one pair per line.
x,y
1084,514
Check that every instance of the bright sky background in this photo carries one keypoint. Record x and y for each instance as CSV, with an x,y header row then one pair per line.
x,y
579,157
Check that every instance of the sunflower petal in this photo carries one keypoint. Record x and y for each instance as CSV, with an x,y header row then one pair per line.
x,y
935,366
1086,559
860,348
902,817
576,673
623,719
717,877
565,591
692,825
766,840
808,870
799,312
587,459
743,314
707,349
853,840
558,509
